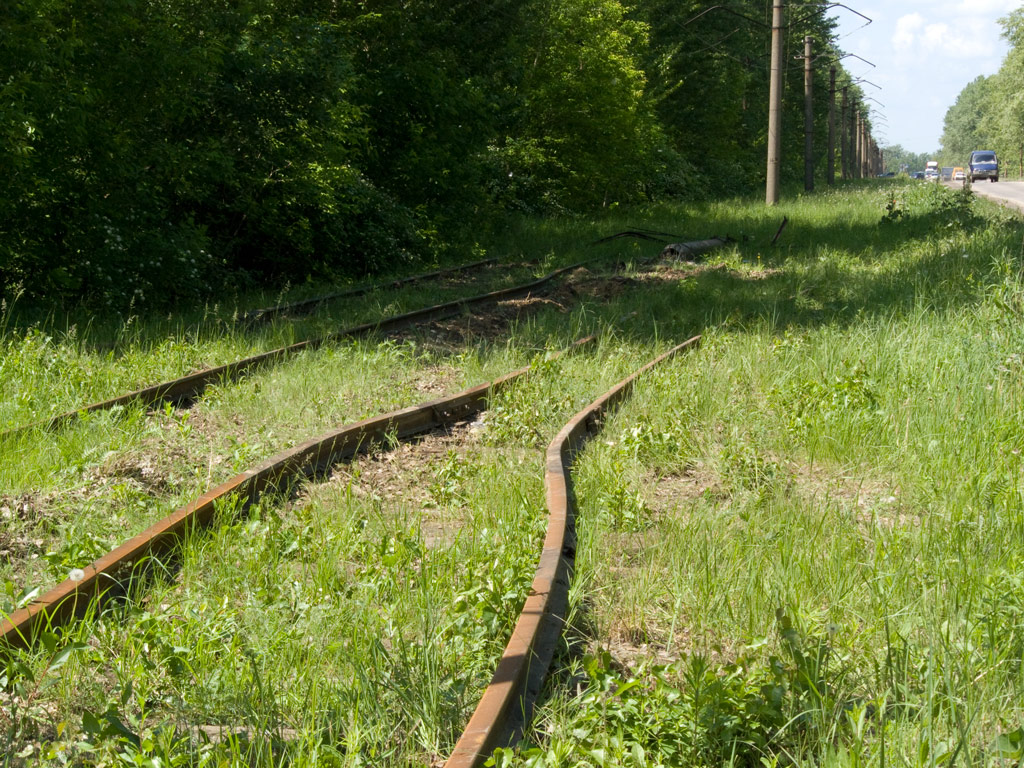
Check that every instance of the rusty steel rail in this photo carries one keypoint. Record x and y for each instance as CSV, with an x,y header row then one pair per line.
x,y
507,702
307,305
191,386
72,596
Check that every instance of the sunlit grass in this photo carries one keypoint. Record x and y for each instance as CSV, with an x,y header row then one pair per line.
x,y
836,470
804,542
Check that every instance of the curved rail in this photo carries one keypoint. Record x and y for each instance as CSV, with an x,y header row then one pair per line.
x,y
191,386
507,702
306,305
72,596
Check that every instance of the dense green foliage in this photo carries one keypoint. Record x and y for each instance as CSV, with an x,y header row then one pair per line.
x,y
989,112
154,148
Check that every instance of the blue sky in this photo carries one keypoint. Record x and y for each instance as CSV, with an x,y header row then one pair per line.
x,y
925,52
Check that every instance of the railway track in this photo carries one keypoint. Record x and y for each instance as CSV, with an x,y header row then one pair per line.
x,y
308,305
187,388
506,703
72,596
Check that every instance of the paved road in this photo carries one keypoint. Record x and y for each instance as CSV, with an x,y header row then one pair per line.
x,y
1009,193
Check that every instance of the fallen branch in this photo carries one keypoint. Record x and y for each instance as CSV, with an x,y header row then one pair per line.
x,y
692,251
782,226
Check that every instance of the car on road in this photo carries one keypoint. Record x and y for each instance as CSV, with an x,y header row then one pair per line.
x,y
918,174
958,174
983,165
932,174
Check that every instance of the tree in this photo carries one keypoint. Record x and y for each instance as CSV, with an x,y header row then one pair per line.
x,y
153,150
963,131
896,157
580,131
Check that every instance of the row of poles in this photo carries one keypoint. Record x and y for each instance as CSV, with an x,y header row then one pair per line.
x,y
859,154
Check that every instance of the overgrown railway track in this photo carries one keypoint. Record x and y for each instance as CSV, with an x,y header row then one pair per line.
x,y
74,595
187,388
191,386
506,703
305,306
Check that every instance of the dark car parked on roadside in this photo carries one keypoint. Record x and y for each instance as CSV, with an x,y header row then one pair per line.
x,y
983,165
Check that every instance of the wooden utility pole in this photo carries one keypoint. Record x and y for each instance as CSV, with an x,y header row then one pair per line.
x,y
869,149
862,171
865,170
830,171
857,135
771,195
808,117
844,136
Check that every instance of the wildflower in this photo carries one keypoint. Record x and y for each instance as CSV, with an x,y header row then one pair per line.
x,y
77,574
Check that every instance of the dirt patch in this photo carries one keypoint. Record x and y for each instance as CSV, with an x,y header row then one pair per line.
x,y
661,643
25,508
627,656
144,471
436,381
20,520
494,322
582,283
453,334
628,653
426,473
872,501
669,492
862,492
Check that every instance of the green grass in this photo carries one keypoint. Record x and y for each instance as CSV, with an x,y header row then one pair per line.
x,y
50,368
802,546
801,541
332,617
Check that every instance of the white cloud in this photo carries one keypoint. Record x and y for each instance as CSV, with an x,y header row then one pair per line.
x,y
972,38
937,37
979,7
926,51
906,29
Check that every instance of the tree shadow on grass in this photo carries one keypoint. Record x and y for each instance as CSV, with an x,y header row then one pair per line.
x,y
831,274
